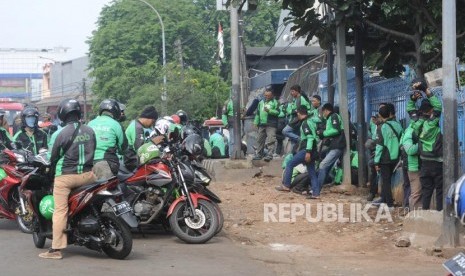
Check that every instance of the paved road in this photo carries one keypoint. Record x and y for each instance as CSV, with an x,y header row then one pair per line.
x,y
155,254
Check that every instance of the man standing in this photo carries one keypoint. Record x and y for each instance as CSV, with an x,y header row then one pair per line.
x,y
307,154
227,118
333,140
72,156
409,148
387,152
430,142
266,119
136,136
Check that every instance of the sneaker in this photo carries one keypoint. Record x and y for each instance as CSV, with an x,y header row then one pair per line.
x,y
370,197
257,157
378,201
268,158
52,254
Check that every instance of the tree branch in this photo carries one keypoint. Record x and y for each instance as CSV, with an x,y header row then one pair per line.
x,y
429,18
433,59
389,31
412,54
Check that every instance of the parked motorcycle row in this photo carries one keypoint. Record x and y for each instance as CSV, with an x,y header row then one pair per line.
x,y
169,188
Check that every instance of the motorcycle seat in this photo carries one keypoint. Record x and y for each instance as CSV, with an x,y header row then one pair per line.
x,y
123,176
85,187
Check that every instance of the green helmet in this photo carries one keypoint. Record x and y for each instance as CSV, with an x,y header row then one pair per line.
x,y
47,206
147,152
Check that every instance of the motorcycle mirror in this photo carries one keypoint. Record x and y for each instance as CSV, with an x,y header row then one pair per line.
x,y
18,145
174,135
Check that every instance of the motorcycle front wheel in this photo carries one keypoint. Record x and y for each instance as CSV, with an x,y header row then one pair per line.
x,y
24,226
220,217
117,237
198,229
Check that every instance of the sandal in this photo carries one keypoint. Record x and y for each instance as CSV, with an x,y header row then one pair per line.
x,y
282,189
313,197
306,192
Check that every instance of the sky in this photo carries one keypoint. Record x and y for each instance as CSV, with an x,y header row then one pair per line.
x,y
49,23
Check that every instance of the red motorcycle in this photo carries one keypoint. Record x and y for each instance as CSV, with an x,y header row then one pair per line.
x,y
12,204
158,193
98,218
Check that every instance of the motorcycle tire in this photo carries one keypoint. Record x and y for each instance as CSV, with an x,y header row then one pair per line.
x,y
39,240
220,217
124,237
196,233
23,225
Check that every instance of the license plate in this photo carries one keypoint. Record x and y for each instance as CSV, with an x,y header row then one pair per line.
x,y
121,208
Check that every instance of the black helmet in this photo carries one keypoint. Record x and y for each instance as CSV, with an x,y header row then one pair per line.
x,y
30,117
187,131
122,107
111,106
66,107
183,116
193,144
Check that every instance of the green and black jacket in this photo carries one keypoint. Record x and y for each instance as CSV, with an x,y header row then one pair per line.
x,y
308,137
79,158
35,142
135,139
333,135
388,142
267,118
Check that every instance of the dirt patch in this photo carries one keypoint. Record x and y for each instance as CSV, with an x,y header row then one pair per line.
x,y
356,239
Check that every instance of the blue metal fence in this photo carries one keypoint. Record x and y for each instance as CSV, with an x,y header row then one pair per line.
x,y
396,91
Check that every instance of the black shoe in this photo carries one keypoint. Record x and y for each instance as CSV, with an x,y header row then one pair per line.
x,y
257,157
370,197
268,158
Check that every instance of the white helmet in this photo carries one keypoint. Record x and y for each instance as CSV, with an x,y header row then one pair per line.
x,y
169,119
162,126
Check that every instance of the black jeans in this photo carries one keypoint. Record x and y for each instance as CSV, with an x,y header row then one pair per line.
x,y
431,178
373,180
406,186
386,171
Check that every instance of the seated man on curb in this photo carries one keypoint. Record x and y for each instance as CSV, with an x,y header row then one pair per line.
x,y
307,154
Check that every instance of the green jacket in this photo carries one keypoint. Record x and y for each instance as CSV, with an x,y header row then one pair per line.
x,y
110,139
372,133
207,147
227,113
216,140
292,107
308,137
38,140
429,133
388,142
410,148
333,134
267,118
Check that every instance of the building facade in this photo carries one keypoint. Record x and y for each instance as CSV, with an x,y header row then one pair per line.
x,y
21,71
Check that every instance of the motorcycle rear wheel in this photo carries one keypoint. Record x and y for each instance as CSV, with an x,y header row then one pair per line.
x,y
122,246
203,231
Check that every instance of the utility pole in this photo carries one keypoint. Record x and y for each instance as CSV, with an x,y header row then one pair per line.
x,y
237,153
361,125
178,47
343,101
330,73
450,234
84,94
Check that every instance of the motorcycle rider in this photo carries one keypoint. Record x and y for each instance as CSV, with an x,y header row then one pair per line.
x,y
136,136
110,139
30,136
71,156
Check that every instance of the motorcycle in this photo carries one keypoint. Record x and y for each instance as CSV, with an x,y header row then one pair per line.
x,y
197,180
158,191
12,205
98,218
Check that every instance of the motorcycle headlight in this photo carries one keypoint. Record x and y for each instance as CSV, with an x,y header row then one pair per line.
x,y
205,179
20,158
